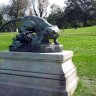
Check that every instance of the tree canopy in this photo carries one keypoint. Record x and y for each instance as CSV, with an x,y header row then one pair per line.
x,y
80,11
77,13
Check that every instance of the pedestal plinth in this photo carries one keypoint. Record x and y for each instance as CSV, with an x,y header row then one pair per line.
x,y
37,74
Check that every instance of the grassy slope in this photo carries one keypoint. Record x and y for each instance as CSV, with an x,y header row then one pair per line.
x,y
83,42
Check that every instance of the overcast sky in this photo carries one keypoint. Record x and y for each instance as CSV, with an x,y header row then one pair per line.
x,y
58,2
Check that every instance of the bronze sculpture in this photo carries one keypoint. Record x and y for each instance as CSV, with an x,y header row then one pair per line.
x,y
34,33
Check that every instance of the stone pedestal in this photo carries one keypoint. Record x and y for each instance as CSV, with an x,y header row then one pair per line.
x,y
42,48
37,74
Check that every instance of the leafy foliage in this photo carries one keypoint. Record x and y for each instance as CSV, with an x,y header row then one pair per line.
x,y
56,16
18,8
80,11
77,13
1,19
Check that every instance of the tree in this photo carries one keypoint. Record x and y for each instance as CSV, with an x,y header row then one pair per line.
x,y
1,19
40,7
56,16
18,8
94,8
79,11
4,11
30,12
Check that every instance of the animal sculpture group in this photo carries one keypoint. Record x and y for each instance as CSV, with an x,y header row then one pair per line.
x,y
34,35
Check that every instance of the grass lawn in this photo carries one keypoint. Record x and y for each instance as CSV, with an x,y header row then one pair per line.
x,y
83,42
6,40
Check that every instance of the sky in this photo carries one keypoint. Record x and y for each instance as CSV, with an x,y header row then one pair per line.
x,y
57,2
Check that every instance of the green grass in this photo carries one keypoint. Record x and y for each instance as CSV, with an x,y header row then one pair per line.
x,y
83,42
6,40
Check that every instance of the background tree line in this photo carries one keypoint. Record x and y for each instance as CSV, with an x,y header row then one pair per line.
x,y
76,13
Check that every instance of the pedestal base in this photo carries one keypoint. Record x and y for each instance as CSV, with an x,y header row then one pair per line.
x,y
42,48
37,74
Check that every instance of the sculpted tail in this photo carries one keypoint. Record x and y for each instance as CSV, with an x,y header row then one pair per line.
x,y
13,20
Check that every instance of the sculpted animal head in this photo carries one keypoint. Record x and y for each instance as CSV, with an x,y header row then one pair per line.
x,y
52,32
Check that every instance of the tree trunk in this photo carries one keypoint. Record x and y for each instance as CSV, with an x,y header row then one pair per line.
x,y
85,23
